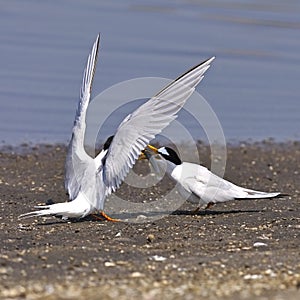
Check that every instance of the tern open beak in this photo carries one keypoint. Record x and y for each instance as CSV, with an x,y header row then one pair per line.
x,y
142,155
145,154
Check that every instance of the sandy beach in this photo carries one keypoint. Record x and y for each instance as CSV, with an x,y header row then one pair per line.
x,y
236,250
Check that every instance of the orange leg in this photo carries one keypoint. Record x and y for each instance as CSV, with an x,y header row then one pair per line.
x,y
106,217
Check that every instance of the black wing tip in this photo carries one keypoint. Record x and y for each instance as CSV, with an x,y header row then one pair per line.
x,y
97,43
207,61
98,40
97,47
282,195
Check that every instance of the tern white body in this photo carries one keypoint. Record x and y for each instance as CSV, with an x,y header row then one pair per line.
x,y
199,185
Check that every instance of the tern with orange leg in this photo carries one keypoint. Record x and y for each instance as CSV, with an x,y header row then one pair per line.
x,y
89,180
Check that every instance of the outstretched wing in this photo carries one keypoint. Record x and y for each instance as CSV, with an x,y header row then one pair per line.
x,y
86,87
76,156
138,128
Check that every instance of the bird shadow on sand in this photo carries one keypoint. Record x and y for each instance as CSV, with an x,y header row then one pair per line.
x,y
59,221
214,212
123,217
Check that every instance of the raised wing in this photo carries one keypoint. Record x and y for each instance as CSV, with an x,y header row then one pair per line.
x,y
86,88
138,128
76,156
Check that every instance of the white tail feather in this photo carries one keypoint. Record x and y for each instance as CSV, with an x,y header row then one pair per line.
x,y
45,210
253,194
77,208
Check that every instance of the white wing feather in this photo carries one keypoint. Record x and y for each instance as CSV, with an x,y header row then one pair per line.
x,y
76,155
83,184
138,128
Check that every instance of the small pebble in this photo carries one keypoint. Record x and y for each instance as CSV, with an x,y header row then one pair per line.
x,y
150,238
109,264
157,258
137,275
259,244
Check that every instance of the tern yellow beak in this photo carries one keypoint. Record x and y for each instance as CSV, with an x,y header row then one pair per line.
x,y
143,154
153,148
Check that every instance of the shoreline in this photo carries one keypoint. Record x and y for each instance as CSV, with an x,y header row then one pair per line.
x,y
27,147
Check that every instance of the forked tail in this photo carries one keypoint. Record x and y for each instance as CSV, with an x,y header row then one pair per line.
x,y
72,209
253,194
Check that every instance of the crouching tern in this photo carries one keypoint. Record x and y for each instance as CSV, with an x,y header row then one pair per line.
x,y
88,180
197,184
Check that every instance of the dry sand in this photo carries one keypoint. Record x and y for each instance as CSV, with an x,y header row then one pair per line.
x,y
236,250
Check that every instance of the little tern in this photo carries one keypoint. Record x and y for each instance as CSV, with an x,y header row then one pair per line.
x,y
199,185
88,180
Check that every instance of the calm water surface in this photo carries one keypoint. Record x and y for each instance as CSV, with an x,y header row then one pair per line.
x,y
253,85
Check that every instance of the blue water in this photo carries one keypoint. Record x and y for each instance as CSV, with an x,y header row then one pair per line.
x,y
252,86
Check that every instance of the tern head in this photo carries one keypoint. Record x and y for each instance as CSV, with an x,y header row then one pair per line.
x,y
167,153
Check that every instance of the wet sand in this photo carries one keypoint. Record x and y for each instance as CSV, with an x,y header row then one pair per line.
x,y
236,250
